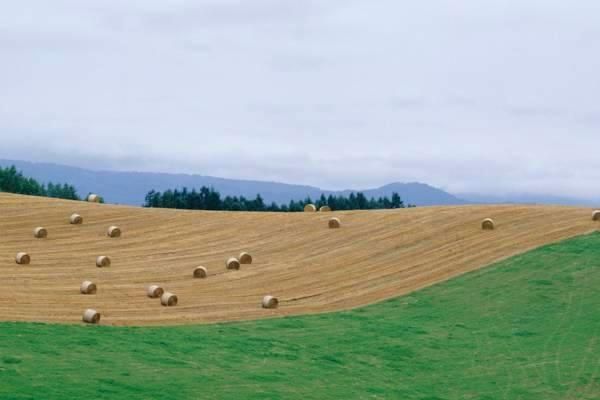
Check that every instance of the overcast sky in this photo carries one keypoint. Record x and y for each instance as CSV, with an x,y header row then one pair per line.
x,y
470,95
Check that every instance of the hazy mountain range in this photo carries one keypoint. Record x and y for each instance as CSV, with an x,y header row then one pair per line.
x,y
131,187
527,198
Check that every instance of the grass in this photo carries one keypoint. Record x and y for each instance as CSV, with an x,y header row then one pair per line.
x,y
525,328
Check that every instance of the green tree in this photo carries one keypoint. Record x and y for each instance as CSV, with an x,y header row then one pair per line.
x,y
13,181
397,201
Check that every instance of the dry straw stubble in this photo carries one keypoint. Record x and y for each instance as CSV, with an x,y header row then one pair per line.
x,y
292,259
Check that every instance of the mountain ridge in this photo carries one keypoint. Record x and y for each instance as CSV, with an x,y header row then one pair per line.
x,y
126,187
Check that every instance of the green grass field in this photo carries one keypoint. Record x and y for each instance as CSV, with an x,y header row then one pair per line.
x,y
525,328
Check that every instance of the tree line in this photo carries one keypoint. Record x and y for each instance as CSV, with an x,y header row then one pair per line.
x,y
210,199
13,181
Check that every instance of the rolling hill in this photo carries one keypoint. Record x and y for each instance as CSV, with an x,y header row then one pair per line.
x,y
375,255
522,328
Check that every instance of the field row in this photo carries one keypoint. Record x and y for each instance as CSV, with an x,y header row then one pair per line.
x,y
375,255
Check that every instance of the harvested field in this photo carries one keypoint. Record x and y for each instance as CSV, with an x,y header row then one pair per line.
x,y
377,255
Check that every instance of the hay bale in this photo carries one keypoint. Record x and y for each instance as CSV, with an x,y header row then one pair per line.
x,y
154,291
325,209
245,258
596,215
91,316
93,198
87,287
334,223
310,208
76,219
168,299
22,258
232,263
200,272
40,232
270,302
103,261
113,231
488,224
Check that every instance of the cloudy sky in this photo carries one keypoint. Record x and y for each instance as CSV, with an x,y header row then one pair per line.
x,y
471,96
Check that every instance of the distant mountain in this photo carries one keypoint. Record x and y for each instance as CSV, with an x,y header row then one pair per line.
x,y
416,193
528,198
131,187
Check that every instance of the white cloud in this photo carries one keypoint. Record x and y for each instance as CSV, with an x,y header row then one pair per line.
x,y
471,96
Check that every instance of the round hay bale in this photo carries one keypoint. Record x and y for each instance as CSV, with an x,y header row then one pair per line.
x,y
40,232
22,258
596,215
488,224
168,299
325,209
87,287
334,223
154,291
113,231
76,219
200,272
91,316
245,258
103,261
93,198
270,302
232,263
310,208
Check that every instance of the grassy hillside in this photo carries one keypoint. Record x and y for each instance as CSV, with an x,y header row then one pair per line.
x,y
525,328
